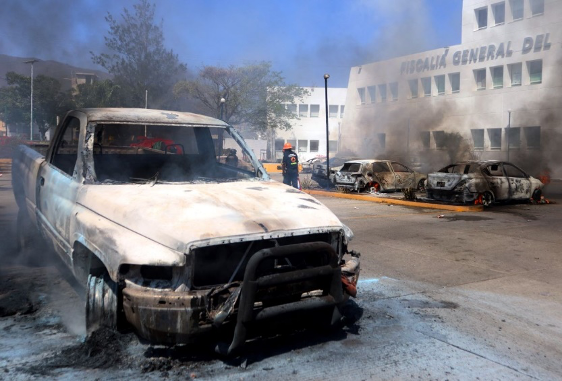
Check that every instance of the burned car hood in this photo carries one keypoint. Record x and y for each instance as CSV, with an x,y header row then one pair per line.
x,y
446,181
179,215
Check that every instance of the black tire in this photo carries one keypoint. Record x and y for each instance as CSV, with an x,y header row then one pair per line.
x,y
102,301
421,185
487,199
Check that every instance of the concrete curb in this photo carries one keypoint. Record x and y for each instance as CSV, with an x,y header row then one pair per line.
x,y
393,201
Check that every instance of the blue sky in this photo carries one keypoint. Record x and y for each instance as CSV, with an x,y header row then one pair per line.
x,y
303,39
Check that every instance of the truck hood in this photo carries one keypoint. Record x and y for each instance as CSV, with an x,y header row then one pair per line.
x,y
180,215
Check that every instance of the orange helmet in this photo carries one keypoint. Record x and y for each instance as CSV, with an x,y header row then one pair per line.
x,y
287,146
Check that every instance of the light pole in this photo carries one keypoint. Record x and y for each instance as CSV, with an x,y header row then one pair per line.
x,y
508,131
326,76
31,118
223,101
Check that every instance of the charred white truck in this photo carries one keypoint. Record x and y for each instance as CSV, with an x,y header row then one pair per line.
x,y
173,226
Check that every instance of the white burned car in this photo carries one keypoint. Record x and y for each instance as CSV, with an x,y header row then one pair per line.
x,y
481,182
377,175
175,239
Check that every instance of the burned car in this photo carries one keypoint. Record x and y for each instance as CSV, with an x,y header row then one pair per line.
x,y
377,176
481,182
181,244
319,167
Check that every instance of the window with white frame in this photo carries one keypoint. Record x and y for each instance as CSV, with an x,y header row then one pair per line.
x,y
333,146
393,90
333,111
439,138
533,137
314,111
413,88
372,94
535,71
425,138
279,144
382,92
440,84
498,10
292,142
303,145
516,9
495,137
480,77
342,108
513,137
292,108
481,17
361,93
426,84
455,79
515,74
303,111
478,139
537,7
314,144
497,77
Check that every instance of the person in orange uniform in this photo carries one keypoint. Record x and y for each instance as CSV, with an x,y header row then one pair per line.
x,y
290,166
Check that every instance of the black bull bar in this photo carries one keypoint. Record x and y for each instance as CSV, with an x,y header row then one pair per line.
x,y
327,276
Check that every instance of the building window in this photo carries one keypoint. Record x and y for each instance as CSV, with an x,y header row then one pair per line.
x,y
381,138
537,7
292,142
533,137
361,92
314,111
516,9
513,137
497,77
535,71
314,145
382,92
439,137
303,145
333,146
478,139
372,93
342,108
495,136
455,79
292,108
440,84
481,17
426,84
498,11
480,77
394,90
303,111
333,111
425,139
515,74
413,88
279,144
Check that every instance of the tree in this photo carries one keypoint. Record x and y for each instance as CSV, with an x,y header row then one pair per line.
x,y
254,95
139,62
98,94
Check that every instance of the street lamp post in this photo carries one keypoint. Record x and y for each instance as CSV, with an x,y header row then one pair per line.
x,y
31,117
223,101
326,76
508,131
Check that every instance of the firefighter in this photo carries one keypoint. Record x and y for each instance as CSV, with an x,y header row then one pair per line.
x,y
290,166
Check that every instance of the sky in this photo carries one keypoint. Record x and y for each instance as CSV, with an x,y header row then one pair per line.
x,y
303,39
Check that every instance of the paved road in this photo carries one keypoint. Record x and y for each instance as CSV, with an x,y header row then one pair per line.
x,y
442,296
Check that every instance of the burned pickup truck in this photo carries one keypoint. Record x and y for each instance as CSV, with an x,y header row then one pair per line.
x,y
174,239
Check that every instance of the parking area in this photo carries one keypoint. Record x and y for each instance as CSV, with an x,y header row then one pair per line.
x,y
442,295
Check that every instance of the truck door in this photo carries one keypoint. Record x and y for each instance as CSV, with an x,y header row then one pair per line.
x,y
57,186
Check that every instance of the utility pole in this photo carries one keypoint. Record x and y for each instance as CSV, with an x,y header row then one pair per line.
x,y
326,76
31,118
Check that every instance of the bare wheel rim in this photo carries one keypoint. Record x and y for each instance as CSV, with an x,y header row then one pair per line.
x,y
101,303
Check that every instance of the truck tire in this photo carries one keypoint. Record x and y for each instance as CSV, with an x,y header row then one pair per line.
x,y
101,303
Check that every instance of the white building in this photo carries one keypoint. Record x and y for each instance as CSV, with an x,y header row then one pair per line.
x,y
308,134
503,80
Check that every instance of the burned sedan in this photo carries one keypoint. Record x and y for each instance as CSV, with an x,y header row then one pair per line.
x,y
176,240
481,182
377,176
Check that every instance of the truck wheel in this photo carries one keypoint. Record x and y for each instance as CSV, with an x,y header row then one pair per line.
x,y
101,303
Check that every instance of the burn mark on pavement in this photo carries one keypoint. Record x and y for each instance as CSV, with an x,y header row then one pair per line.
x,y
411,303
462,217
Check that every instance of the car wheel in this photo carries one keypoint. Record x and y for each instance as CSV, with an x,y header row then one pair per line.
x,y
101,303
487,199
421,185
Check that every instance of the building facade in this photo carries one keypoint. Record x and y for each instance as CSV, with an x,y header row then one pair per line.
x,y
308,132
497,95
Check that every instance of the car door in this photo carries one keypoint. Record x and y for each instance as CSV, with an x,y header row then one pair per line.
x,y
497,180
519,182
384,174
57,187
404,176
